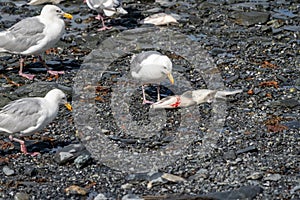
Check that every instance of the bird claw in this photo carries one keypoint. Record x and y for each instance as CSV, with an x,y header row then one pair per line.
x,y
55,72
147,102
105,28
28,76
24,151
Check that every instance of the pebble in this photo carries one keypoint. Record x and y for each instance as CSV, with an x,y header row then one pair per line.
x,y
255,176
8,171
69,153
249,149
131,197
82,160
272,177
251,18
21,196
100,197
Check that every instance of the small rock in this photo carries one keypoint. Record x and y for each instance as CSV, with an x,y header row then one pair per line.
x,y
68,153
273,177
21,196
230,155
173,178
245,192
159,19
165,3
126,186
247,150
294,189
292,124
289,103
100,197
30,171
7,171
82,160
131,197
251,18
255,176
75,189
201,173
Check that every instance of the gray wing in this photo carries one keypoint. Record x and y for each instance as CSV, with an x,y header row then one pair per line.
x,y
96,4
138,59
24,34
20,115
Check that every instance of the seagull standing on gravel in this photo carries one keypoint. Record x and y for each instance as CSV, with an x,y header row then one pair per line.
x,y
29,115
151,67
34,35
108,7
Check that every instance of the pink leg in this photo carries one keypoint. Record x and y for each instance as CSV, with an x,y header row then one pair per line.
x,y
104,27
48,70
23,147
28,76
145,101
158,93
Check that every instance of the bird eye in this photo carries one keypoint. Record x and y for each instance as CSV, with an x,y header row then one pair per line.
x,y
58,11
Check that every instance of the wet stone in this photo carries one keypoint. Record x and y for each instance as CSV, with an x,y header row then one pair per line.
x,y
251,18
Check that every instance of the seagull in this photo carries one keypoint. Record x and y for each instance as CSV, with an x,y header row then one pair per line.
x,y
29,115
108,7
151,67
38,2
34,35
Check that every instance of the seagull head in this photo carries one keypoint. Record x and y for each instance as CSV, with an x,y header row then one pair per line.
x,y
166,67
52,11
59,97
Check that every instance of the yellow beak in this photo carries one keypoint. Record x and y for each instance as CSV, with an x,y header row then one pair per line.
x,y
68,16
69,107
170,78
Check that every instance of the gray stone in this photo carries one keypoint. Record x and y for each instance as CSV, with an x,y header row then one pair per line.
x,y
8,171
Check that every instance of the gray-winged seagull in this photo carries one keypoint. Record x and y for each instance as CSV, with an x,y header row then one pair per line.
x,y
151,67
106,7
34,35
29,115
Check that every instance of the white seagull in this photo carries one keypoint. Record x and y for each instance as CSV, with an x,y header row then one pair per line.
x,y
106,7
151,67
29,115
34,35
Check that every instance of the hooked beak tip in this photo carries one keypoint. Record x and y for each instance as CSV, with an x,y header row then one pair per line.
x,y
68,106
68,16
171,78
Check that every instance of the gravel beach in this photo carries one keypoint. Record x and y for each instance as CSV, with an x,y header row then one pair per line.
x,y
111,146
